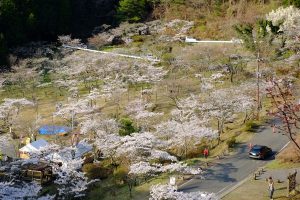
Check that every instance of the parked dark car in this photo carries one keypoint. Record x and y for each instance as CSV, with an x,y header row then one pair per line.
x,y
260,152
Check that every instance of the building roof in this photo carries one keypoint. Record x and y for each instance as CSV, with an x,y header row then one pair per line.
x,y
34,146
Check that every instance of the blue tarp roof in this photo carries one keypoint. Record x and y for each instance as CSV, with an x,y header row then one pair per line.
x,y
53,130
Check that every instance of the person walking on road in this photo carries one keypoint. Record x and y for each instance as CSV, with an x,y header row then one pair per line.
x,y
205,153
250,145
271,187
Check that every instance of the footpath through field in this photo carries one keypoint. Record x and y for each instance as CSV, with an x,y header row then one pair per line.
x,y
227,173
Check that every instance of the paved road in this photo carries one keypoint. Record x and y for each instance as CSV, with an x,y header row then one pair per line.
x,y
227,172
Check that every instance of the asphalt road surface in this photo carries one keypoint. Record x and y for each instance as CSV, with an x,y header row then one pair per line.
x,y
229,171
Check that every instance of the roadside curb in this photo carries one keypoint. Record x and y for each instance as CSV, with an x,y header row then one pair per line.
x,y
234,187
226,192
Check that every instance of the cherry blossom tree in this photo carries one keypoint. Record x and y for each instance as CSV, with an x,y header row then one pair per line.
x,y
284,107
138,110
70,110
224,104
94,124
209,83
183,136
21,190
168,192
7,146
93,96
13,104
71,182
143,72
108,145
287,19
67,40
138,146
145,168
10,108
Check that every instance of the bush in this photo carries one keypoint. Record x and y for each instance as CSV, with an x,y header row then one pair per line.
x,y
126,127
138,38
168,58
296,73
120,174
132,10
231,142
99,40
296,3
194,153
283,70
251,126
94,171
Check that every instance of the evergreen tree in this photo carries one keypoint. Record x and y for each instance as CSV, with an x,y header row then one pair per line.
x,y
296,3
126,127
3,52
132,10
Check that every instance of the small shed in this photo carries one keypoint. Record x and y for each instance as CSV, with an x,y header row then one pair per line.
x,y
41,172
54,130
32,147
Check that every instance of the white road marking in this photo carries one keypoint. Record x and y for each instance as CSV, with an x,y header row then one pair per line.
x,y
283,147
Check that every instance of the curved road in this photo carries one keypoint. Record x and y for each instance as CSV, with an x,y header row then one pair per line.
x,y
228,172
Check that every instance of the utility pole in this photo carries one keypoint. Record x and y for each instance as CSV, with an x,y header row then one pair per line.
x,y
72,120
257,83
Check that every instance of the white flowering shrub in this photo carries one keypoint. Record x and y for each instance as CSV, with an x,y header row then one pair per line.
x,y
288,20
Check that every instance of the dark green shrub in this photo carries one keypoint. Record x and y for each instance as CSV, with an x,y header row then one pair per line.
x,y
126,127
251,126
194,153
296,3
168,58
94,171
132,10
231,142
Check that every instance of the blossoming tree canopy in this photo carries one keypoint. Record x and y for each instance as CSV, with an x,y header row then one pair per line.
x,y
161,192
288,20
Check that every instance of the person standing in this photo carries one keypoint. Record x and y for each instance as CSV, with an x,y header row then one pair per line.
x,y
1,158
205,153
271,187
250,146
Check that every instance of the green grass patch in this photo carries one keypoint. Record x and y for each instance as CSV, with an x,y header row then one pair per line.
x,y
277,164
252,126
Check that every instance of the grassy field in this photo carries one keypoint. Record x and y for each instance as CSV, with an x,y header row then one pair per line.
x,y
258,189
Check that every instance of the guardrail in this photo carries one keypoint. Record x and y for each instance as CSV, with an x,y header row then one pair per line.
x,y
114,54
233,41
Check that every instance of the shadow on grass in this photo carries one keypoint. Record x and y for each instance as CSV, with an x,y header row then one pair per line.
x,y
281,188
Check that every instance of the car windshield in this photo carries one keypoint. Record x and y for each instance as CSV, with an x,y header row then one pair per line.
x,y
256,149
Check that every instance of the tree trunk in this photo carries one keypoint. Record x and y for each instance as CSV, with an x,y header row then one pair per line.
x,y
219,132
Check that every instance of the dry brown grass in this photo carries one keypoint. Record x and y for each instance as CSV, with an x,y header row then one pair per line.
x,y
215,22
291,153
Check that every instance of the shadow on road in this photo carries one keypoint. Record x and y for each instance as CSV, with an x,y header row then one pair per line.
x,y
242,148
221,172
